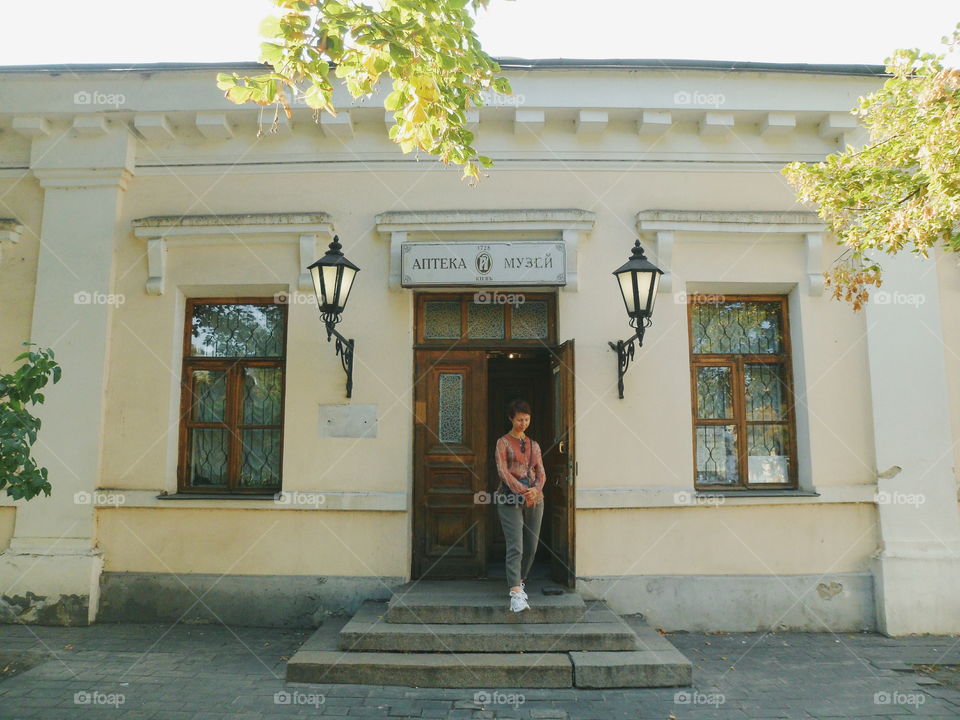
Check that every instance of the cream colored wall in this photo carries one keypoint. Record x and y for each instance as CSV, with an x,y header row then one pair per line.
x,y
8,517
22,200
648,433
250,542
740,540
948,271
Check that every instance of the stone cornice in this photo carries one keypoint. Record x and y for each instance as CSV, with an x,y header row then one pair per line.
x,y
663,225
115,177
161,232
434,221
716,221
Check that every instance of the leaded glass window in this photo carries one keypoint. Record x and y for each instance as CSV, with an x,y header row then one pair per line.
x,y
441,320
744,432
451,407
530,321
233,380
485,321
486,317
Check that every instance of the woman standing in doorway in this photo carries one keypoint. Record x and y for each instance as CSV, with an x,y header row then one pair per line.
x,y
519,499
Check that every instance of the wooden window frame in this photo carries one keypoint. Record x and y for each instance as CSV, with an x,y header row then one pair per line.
x,y
234,368
736,362
464,298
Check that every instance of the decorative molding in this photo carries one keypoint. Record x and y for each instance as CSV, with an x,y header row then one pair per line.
x,y
303,500
662,224
153,126
591,121
90,125
73,178
654,122
531,121
715,123
213,126
840,127
451,225
777,123
814,245
10,230
164,232
723,221
612,498
31,127
339,126
664,259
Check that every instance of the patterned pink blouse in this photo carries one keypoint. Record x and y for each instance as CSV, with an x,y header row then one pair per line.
x,y
513,464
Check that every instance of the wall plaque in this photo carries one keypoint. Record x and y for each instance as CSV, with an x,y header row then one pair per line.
x,y
526,262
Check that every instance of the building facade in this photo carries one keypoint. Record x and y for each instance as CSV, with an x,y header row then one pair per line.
x,y
776,461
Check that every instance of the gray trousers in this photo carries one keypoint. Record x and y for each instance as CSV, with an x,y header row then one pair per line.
x,y
521,530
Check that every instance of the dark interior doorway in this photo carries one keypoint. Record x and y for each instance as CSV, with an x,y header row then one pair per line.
x,y
510,375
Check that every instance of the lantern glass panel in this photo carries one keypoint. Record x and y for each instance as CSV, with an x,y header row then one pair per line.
x,y
626,287
345,284
315,275
645,280
330,285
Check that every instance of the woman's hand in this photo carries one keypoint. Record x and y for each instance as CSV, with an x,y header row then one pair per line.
x,y
532,497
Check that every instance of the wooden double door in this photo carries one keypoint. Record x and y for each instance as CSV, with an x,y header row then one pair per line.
x,y
460,398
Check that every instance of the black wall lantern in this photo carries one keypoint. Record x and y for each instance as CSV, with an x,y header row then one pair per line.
x,y
639,279
333,277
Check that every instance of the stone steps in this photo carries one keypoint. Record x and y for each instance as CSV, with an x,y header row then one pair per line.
x,y
598,629
489,604
455,634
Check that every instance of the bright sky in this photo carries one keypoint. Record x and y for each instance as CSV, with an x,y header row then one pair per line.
x,y
814,31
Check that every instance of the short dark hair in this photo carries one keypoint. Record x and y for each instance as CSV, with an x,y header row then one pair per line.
x,y
517,406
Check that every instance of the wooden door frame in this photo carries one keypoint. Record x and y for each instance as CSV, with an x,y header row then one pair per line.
x,y
417,491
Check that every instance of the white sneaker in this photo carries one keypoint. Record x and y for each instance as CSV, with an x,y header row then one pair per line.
x,y
518,601
523,591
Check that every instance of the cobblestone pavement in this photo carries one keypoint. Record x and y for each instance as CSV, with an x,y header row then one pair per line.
x,y
158,672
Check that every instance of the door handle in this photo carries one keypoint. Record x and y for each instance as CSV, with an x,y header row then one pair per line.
x,y
560,447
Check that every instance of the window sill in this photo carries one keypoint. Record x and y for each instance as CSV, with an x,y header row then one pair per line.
x,y
757,493
215,496
292,500
616,498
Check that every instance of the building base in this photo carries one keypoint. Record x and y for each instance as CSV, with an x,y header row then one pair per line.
x,y
841,602
240,600
918,595
49,581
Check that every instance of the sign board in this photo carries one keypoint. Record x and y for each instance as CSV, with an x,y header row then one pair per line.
x,y
527,262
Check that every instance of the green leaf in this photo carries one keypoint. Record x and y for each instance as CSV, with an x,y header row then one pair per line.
x,y
270,27
271,53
